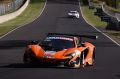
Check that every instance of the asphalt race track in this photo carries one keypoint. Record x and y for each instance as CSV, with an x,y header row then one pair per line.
x,y
54,19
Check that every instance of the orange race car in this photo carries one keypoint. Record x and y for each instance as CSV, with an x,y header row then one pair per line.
x,y
61,49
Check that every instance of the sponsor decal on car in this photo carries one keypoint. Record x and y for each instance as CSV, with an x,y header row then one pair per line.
x,y
62,38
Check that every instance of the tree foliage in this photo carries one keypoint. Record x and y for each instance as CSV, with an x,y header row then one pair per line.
x,y
84,2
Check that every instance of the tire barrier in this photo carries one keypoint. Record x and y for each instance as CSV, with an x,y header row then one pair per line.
x,y
109,16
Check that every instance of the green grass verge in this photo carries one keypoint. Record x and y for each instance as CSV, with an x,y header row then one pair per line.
x,y
33,11
96,21
91,18
115,35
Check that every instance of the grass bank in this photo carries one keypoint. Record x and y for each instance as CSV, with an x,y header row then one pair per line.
x,y
33,11
115,35
91,18
96,21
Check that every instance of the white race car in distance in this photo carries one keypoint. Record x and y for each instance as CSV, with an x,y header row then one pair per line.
x,y
73,14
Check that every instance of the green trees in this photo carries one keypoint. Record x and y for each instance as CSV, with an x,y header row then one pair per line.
x,y
112,3
84,2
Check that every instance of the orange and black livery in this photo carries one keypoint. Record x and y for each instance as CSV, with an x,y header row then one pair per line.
x,y
62,49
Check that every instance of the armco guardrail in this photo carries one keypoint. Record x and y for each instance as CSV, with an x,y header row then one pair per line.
x,y
13,15
107,10
10,7
117,15
113,14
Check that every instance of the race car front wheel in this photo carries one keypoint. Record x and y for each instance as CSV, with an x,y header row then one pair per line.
x,y
28,58
76,63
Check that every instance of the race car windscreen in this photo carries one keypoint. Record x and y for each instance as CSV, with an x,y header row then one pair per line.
x,y
57,43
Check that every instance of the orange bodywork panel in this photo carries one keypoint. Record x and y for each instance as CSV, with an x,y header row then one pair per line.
x,y
90,53
39,52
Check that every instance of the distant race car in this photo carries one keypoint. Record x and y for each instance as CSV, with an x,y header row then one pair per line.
x,y
73,14
61,49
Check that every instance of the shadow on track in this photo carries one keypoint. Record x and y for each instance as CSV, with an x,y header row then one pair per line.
x,y
118,76
21,65
6,44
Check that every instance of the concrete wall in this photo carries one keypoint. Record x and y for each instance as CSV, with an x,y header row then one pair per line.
x,y
13,15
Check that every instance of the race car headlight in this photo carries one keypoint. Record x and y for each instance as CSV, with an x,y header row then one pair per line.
x,y
72,54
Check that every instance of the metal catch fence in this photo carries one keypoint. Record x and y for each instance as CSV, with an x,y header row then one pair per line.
x,y
10,7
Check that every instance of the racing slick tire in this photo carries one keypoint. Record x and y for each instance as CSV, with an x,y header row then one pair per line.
x,y
76,64
28,58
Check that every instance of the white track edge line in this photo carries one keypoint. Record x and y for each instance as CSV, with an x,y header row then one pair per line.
x,y
97,29
24,24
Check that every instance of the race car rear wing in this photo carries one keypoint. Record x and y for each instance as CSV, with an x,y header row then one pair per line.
x,y
80,36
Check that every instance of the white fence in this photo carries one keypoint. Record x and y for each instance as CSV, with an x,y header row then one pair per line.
x,y
10,7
